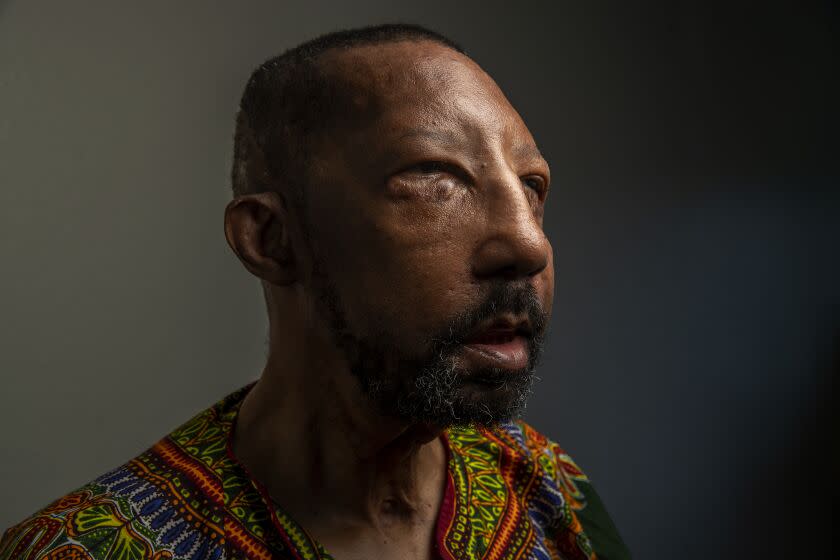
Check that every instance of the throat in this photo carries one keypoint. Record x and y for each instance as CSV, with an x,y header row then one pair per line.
x,y
394,511
411,489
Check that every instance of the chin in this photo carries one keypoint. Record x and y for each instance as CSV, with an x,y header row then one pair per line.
x,y
477,398
488,411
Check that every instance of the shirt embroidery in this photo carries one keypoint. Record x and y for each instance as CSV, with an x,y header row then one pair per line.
x,y
511,494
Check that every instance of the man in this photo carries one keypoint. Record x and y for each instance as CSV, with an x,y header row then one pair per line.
x,y
390,200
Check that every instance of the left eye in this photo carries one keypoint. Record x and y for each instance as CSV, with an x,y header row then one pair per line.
x,y
534,183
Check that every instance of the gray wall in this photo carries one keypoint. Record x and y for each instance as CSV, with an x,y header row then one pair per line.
x,y
693,213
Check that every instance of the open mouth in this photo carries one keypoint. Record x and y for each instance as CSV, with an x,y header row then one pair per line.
x,y
494,337
501,345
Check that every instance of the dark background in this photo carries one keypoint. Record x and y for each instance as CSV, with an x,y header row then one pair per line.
x,y
694,214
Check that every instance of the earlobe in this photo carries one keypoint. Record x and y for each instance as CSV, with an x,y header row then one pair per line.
x,y
256,228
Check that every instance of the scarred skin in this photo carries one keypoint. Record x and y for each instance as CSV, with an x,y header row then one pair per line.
x,y
435,190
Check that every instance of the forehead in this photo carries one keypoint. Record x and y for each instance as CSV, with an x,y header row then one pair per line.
x,y
410,85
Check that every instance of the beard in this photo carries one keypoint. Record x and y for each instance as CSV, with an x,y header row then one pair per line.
x,y
431,388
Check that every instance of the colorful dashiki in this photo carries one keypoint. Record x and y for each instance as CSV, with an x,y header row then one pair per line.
x,y
511,494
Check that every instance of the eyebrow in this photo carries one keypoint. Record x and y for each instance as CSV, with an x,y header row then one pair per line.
x,y
528,151
524,151
441,135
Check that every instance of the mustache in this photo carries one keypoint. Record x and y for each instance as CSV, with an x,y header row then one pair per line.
x,y
517,298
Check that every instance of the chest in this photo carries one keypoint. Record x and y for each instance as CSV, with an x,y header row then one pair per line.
x,y
417,546
398,537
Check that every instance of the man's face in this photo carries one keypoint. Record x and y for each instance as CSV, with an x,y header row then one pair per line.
x,y
430,266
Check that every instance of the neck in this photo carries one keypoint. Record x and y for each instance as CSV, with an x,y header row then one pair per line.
x,y
324,454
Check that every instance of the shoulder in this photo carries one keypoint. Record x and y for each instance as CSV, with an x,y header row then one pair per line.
x,y
92,522
554,461
143,509
560,471
168,501
529,465
156,506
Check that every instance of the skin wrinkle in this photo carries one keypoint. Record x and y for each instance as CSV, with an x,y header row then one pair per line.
x,y
369,313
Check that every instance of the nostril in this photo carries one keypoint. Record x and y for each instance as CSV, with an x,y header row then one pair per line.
x,y
509,272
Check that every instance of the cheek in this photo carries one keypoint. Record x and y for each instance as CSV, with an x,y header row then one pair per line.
x,y
399,266
421,271
425,286
401,282
436,213
425,238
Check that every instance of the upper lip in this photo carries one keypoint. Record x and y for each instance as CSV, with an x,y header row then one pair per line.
x,y
504,324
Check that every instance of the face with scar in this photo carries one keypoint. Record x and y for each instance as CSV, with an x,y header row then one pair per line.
x,y
430,266
425,260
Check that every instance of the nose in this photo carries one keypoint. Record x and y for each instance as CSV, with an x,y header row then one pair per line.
x,y
513,244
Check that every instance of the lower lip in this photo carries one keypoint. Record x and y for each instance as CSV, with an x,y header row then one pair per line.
x,y
512,354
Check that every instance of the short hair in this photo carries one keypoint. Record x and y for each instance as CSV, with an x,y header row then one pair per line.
x,y
288,100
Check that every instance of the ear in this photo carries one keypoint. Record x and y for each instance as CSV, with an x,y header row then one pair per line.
x,y
257,229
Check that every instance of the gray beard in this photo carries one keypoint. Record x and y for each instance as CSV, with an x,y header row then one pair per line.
x,y
431,389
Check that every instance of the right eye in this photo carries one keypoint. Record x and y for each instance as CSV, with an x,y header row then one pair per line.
x,y
430,167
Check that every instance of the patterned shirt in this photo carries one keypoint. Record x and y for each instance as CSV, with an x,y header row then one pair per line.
x,y
510,494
